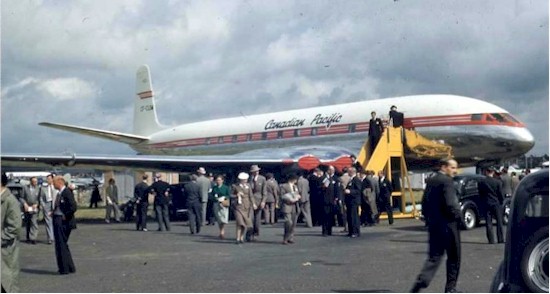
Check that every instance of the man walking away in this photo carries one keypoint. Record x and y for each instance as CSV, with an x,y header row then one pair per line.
x,y
141,194
490,190
272,192
206,187
11,225
442,211
161,189
192,192
304,203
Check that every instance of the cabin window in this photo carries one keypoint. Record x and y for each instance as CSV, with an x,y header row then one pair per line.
x,y
351,128
248,137
297,133
264,136
234,139
477,117
314,131
220,140
279,134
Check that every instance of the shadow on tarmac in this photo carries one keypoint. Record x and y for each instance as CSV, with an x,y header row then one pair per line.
x,y
363,291
39,272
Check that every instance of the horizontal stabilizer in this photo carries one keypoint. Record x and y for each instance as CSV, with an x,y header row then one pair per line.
x,y
114,136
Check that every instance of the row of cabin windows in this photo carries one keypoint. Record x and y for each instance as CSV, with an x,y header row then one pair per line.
x,y
297,133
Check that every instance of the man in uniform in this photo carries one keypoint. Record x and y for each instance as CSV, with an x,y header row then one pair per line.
x,y
11,225
141,194
206,186
442,211
46,203
376,128
258,184
352,196
304,203
161,191
31,196
490,190
331,194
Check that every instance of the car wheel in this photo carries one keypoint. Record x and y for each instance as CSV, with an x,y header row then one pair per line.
x,y
469,217
534,263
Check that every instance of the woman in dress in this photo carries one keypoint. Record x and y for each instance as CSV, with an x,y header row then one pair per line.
x,y
243,202
221,195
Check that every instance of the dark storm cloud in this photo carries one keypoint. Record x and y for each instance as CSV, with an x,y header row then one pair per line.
x,y
222,59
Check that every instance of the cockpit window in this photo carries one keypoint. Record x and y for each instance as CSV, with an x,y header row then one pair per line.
x,y
499,117
511,118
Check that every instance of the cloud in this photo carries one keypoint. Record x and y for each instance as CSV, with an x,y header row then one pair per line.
x,y
212,59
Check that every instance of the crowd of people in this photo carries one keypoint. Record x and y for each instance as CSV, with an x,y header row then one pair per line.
x,y
350,200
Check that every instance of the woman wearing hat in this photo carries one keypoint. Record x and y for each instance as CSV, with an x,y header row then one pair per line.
x,y
243,202
220,192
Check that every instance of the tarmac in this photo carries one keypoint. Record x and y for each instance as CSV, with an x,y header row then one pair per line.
x,y
117,258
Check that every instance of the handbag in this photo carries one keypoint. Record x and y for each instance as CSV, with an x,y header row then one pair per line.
x,y
225,203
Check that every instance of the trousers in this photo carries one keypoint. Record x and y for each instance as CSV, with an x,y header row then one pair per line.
x,y
62,231
163,218
194,210
493,211
31,223
442,239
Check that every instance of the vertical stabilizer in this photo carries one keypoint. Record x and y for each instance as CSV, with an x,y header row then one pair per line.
x,y
145,113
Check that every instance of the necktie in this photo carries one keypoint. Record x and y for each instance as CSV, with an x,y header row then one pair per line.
x,y
57,200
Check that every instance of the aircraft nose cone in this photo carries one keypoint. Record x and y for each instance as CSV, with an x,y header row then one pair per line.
x,y
525,140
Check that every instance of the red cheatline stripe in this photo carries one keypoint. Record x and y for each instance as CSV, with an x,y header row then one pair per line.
x,y
146,94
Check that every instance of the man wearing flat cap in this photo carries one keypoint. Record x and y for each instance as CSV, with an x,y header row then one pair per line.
x,y
205,187
258,184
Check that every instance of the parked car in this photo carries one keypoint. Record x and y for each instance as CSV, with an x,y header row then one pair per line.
x,y
471,204
525,264
178,205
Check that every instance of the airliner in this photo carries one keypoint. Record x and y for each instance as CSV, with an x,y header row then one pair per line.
x,y
477,131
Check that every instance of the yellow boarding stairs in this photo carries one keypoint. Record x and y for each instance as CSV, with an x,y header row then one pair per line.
x,y
391,146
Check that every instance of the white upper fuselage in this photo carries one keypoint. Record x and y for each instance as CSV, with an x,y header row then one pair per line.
x,y
438,117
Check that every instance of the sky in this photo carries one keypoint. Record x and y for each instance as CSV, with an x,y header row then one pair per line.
x,y
74,62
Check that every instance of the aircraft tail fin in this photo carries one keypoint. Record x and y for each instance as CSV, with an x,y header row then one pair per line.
x,y
145,114
114,136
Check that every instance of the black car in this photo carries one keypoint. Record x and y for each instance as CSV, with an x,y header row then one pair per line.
x,y
178,205
471,204
525,264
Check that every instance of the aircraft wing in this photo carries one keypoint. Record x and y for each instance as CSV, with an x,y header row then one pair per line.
x,y
115,136
303,158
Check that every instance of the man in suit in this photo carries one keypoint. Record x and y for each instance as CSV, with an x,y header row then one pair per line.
x,y
258,184
112,201
442,210
384,198
490,190
11,226
371,195
316,196
376,128
304,204
30,200
193,197
272,198
352,197
205,188
161,190
46,203
290,198
506,183
141,194
331,194
63,223
396,117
